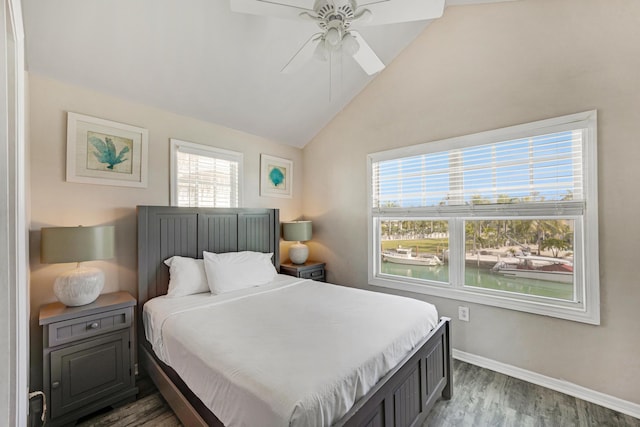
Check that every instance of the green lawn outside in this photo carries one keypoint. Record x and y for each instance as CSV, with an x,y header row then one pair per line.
x,y
433,246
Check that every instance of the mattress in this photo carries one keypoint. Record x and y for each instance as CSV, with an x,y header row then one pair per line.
x,y
291,353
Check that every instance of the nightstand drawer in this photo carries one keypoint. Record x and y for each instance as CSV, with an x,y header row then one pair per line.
x,y
88,326
313,270
313,274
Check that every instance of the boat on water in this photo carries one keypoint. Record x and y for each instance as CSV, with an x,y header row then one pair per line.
x,y
405,256
538,268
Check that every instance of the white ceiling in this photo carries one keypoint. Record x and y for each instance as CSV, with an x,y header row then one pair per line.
x,y
199,59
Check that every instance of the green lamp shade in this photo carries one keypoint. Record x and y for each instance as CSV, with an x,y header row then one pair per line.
x,y
296,231
82,285
76,244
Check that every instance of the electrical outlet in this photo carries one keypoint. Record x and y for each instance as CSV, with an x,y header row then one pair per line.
x,y
463,313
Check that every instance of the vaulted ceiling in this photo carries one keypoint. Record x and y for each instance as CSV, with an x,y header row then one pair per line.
x,y
200,59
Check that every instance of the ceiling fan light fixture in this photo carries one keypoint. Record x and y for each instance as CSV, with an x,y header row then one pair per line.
x,y
321,53
350,45
332,38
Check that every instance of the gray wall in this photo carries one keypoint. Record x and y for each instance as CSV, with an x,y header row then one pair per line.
x,y
484,67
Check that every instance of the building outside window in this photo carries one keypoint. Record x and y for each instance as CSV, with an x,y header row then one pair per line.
x,y
505,218
205,176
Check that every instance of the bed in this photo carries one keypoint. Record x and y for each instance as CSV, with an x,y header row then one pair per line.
x,y
401,397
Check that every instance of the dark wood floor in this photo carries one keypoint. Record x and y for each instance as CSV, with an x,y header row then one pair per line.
x,y
481,398
487,398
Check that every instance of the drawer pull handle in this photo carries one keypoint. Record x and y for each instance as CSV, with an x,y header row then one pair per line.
x,y
55,384
94,325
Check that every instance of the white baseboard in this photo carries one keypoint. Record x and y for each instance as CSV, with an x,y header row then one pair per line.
x,y
605,400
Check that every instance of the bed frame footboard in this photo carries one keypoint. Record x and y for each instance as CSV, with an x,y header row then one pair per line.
x,y
404,396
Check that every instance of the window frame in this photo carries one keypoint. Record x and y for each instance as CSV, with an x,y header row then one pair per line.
x,y
586,308
206,151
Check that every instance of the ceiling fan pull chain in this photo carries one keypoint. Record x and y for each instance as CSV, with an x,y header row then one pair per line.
x,y
330,77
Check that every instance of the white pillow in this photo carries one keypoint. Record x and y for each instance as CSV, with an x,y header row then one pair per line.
x,y
232,271
186,276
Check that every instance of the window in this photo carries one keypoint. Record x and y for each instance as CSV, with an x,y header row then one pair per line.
x,y
505,218
205,176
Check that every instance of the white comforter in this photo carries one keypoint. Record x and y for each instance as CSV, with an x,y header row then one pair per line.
x,y
294,352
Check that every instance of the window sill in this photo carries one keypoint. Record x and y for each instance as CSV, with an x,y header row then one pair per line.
x,y
576,312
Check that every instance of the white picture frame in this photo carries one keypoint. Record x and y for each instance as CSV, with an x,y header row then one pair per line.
x,y
276,177
104,152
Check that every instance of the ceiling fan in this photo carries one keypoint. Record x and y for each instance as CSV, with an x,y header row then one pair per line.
x,y
335,18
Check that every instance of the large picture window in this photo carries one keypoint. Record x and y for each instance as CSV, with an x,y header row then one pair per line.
x,y
204,176
505,218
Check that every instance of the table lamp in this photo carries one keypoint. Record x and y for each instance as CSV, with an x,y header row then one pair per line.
x,y
81,285
297,231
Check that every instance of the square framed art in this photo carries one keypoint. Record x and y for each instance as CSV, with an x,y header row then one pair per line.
x,y
276,176
106,153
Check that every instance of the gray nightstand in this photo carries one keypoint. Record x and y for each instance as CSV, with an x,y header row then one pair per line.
x,y
309,270
87,356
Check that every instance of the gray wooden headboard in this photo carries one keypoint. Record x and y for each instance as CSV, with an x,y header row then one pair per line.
x,y
164,231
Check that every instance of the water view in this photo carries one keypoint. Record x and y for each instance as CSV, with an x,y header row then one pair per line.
x,y
525,256
483,278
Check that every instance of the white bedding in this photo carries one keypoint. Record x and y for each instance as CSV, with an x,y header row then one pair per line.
x,y
293,352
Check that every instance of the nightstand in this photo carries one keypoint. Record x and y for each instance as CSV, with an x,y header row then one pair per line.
x,y
87,356
309,270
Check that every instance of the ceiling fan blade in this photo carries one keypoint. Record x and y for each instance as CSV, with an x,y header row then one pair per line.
x,y
303,55
396,11
366,57
280,9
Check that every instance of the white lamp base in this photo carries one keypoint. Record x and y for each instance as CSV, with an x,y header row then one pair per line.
x,y
79,286
298,253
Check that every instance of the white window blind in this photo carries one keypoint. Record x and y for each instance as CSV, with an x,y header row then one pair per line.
x,y
495,196
204,176
545,168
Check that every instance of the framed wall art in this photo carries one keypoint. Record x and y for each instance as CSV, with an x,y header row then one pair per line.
x,y
276,176
104,152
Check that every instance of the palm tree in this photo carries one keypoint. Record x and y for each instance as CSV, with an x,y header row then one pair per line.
x,y
555,246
